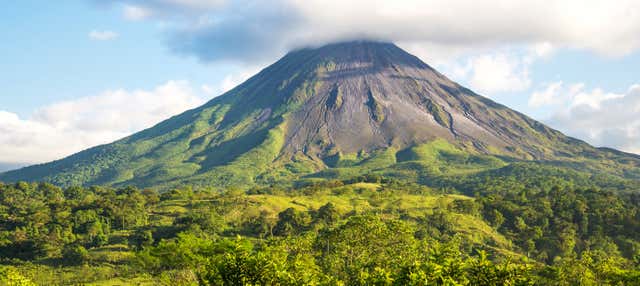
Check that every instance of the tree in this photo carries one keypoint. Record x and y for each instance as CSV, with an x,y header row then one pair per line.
x,y
262,225
482,272
207,219
74,254
240,266
465,206
100,240
328,214
363,243
141,238
291,221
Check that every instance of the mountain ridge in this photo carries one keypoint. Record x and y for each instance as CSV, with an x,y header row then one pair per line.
x,y
313,110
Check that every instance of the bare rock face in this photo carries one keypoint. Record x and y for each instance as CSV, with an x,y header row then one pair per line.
x,y
311,105
370,95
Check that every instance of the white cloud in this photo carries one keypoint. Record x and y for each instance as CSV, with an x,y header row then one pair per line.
x,y
437,55
193,4
270,27
542,50
592,99
207,89
498,73
601,118
570,96
64,128
105,35
136,13
489,45
550,95
491,72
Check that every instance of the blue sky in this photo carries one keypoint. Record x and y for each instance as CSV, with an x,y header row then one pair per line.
x,y
81,72
48,55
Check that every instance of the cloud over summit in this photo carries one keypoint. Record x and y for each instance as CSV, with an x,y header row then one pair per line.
x,y
241,30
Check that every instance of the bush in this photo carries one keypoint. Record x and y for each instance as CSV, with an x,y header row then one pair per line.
x,y
11,277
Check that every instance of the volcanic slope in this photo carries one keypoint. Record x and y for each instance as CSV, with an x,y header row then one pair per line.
x,y
341,109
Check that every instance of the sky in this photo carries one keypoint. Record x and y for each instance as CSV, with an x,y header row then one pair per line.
x,y
80,73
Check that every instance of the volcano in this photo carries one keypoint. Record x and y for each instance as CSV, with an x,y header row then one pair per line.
x,y
355,107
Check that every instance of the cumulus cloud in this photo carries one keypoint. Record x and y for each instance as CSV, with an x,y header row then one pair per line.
x,y
542,50
570,96
601,118
550,95
244,29
105,35
67,127
448,34
136,13
495,72
251,32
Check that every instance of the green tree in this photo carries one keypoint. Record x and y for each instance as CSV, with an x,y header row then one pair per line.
x,y
141,238
291,221
364,243
328,214
74,254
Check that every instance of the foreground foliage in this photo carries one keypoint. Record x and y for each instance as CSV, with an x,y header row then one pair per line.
x,y
361,231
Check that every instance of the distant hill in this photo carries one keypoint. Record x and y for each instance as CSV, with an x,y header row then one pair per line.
x,y
9,166
339,110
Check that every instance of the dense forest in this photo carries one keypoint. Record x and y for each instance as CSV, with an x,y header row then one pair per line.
x,y
366,230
